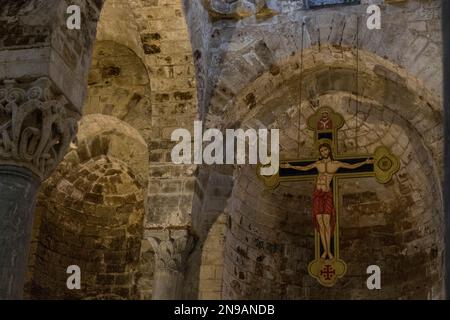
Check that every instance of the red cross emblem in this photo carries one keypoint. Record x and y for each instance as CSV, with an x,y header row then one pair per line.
x,y
327,271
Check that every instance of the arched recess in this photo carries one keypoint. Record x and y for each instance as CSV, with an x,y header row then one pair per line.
x,y
42,45
118,24
167,56
118,81
250,48
90,214
204,273
212,261
141,45
119,86
397,226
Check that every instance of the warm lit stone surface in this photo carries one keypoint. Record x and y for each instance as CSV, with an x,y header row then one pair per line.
x,y
140,226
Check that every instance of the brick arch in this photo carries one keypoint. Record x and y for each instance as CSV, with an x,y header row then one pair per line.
x,y
212,261
379,80
156,32
391,104
96,200
397,226
106,135
92,218
270,241
163,35
117,23
119,86
413,46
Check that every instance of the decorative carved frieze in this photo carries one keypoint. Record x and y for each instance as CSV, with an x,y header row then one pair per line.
x,y
36,125
172,251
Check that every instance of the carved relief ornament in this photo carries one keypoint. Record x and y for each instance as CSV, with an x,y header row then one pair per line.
x,y
36,126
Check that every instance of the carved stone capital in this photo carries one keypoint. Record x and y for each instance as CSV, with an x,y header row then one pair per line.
x,y
239,9
172,249
37,125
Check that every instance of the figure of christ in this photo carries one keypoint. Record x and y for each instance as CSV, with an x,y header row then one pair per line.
x,y
323,210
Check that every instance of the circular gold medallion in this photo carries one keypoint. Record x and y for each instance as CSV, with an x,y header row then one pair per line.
x,y
385,163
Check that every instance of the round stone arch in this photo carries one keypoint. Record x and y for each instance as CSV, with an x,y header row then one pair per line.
x,y
93,219
107,135
118,82
162,48
119,86
90,213
166,53
212,261
415,47
398,225
118,24
336,70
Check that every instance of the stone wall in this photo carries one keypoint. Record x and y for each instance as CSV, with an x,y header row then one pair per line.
x,y
241,51
205,264
90,213
387,95
212,262
271,241
154,229
402,221
142,76
35,42
92,219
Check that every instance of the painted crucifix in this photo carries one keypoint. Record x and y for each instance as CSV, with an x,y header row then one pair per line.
x,y
326,171
323,210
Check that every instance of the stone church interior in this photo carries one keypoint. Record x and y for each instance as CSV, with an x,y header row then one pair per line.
x,y
89,187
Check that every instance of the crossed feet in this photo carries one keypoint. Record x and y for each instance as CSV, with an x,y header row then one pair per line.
x,y
327,254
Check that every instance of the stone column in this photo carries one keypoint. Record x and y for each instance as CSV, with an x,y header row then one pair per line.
x,y
172,248
36,129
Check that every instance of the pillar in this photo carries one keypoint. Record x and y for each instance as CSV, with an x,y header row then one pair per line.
x,y
18,188
36,129
172,249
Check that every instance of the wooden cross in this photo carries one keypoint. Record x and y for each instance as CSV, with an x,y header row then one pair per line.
x,y
327,267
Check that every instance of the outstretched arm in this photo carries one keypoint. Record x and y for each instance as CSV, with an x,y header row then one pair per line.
x,y
356,165
299,168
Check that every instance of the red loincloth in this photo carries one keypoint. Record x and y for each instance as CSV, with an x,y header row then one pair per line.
x,y
323,204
